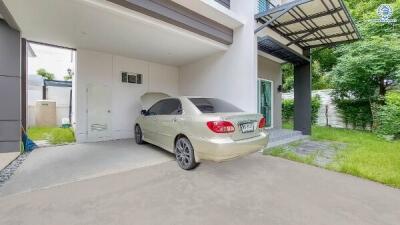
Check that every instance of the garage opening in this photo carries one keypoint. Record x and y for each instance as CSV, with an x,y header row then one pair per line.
x,y
121,53
50,71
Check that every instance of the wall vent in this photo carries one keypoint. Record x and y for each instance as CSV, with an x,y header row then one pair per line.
x,y
132,78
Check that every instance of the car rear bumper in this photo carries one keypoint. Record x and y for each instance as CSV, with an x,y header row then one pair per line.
x,y
225,149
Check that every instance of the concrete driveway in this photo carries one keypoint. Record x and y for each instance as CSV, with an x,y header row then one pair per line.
x,y
47,167
252,190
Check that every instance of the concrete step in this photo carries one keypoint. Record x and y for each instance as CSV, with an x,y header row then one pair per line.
x,y
278,134
285,141
281,137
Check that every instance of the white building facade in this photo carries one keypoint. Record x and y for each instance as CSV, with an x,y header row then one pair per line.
x,y
228,49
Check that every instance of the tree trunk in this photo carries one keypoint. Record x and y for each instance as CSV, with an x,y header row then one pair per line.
x,y
382,86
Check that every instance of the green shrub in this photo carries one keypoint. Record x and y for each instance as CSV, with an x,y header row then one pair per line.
x,y
315,105
388,116
356,113
393,98
288,109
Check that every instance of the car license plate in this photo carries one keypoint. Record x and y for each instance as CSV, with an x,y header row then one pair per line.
x,y
247,127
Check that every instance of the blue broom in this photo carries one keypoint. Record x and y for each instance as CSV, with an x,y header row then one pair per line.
x,y
29,145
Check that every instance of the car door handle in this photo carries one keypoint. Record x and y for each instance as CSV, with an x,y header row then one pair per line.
x,y
174,120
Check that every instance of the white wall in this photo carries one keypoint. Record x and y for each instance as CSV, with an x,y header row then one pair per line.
x,y
230,75
59,95
102,68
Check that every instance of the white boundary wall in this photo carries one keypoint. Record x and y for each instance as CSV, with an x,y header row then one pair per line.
x,y
334,119
58,94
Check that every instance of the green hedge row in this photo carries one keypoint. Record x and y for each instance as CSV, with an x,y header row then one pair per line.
x,y
383,116
288,109
388,116
356,113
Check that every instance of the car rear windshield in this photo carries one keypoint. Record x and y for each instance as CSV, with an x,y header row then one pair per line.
x,y
214,105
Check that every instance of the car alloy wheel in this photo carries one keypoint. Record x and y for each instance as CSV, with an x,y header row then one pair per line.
x,y
184,153
138,135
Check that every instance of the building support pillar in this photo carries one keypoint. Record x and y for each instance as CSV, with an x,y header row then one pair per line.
x,y
302,97
10,88
24,71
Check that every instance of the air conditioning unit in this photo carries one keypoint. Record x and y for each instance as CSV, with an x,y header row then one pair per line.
x,y
45,113
132,78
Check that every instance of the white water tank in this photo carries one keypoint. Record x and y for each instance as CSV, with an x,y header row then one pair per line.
x,y
45,113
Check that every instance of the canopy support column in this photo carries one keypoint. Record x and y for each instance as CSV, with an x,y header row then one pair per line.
x,y
302,97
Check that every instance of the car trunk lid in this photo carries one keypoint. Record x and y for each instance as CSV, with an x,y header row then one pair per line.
x,y
246,124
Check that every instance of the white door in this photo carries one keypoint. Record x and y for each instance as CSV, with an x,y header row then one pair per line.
x,y
99,112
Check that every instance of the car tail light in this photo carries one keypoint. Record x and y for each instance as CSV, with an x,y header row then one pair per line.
x,y
262,123
221,126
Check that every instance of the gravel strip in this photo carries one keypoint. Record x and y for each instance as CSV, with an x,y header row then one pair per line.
x,y
9,170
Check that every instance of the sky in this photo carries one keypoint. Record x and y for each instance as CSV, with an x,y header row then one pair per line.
x,y
54,60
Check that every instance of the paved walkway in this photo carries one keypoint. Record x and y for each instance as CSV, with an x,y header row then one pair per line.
x,y
46,167
6,158
252,190
321,152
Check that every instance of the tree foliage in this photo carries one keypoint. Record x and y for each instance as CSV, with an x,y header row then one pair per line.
x,y
367,68
287,77
319,79
69,75
46,75
361,69
326,57
388,116
365,9
371,66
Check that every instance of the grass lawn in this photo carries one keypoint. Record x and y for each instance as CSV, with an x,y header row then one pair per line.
x,y
365,154
283,153
54,135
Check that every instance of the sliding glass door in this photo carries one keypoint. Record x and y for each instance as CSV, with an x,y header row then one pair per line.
x,y
265,100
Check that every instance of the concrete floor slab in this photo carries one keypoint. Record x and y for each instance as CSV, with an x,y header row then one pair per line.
x,y
46,167
251,190
6,158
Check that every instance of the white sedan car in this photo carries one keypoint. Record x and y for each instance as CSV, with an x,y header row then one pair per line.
x,y
197,128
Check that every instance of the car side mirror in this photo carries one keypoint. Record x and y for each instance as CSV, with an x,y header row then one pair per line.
x,y
144,112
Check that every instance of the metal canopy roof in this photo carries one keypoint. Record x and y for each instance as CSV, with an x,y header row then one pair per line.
x,y
58,83
279,50
310,23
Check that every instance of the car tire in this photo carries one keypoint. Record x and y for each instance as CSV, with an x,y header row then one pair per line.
x,y
138,135
184,153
